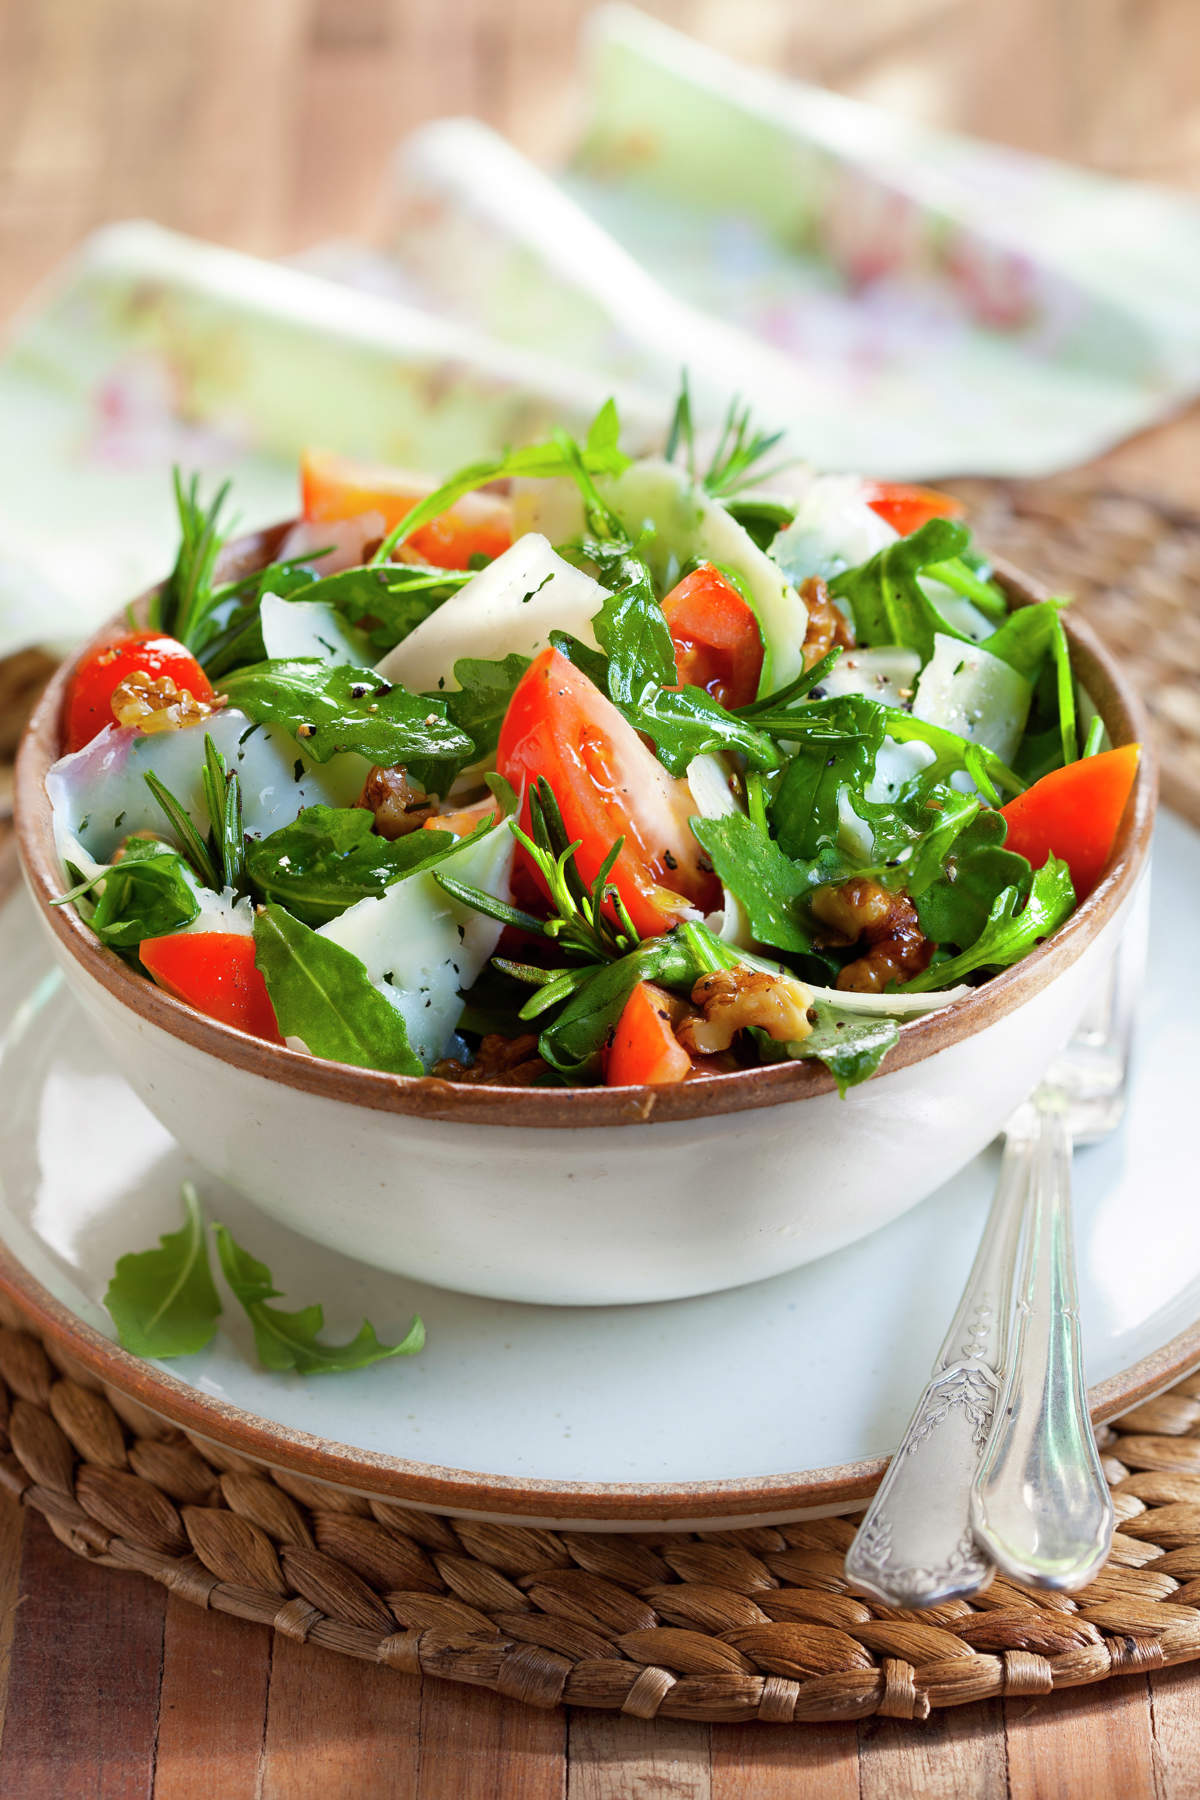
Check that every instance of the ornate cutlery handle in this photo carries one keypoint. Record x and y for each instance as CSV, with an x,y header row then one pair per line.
x,y
1040,1506
914,1546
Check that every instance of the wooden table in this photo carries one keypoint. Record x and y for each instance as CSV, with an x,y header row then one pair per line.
x,y
266,124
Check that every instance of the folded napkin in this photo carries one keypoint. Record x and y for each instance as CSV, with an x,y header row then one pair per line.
x,y
897,299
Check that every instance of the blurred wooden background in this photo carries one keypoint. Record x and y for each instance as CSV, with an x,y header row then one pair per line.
x,y
267,124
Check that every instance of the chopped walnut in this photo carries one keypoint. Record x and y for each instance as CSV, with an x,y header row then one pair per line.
x,y
886,922
499,1062
732,999
400,805
827,623
154,703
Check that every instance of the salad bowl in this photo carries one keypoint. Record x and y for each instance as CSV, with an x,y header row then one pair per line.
x,y
592,1196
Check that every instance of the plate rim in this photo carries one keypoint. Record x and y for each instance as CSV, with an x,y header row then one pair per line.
x,y
435,1488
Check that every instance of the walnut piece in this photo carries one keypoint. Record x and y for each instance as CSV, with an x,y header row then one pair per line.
x,y
154,703
862,910
827,623
400,805
732,999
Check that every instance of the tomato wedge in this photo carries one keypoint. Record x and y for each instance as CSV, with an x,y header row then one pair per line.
x,y
718,645
89,698
214,972
608,785
645,1049
907,508
334,487
1074,813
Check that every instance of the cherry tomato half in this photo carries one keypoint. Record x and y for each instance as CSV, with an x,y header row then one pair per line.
x,y
334,487
608,785
214,972
718,645
907,508
89,698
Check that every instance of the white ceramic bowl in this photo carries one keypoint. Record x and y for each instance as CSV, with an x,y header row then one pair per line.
x,y
593,1196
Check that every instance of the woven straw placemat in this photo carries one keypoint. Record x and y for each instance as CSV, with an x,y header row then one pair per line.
x,y
721,1626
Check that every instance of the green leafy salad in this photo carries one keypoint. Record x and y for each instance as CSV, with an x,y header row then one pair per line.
x,y
579,769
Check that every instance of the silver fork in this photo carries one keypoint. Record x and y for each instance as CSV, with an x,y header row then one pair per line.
x,y
999,1466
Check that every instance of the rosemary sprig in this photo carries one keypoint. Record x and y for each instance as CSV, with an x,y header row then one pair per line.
x,y
191,844
223,797
188,596
741,449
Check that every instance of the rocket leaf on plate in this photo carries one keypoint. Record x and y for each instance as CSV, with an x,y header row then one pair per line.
x,y
291,1340
1012,928
850,1044
163,1302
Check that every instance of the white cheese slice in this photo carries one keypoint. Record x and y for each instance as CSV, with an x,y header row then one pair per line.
x,y
973,693
511,606
421,948
887,673
311,628
99,794
834,529
708,778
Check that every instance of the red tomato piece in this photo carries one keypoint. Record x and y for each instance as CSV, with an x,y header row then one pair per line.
x,y
907,508
645,1049
89,697
214,972
334,487
1074,813
608,785
718,645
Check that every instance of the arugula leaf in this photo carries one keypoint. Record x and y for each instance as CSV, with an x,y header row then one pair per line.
x,y
234,633
954,905
329,857
323,995
481,701
768,883
916,832
632,629
688,722
952,753
838,741
1023,641
601,456
887,600
290,1340
149,893
1011,930
163,1302
761,517
1064,683
331,709
850,1044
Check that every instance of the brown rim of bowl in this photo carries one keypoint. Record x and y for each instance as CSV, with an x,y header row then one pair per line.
x,y
702,1097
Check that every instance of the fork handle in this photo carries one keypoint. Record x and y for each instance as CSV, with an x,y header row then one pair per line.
x,y
914,1546
1040,1506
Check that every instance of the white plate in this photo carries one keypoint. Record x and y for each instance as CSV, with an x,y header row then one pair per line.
x,y
737,1406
